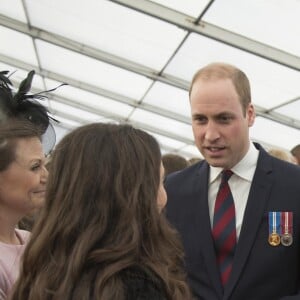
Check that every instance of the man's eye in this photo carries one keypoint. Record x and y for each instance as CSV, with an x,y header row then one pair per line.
x,y
200,120
225,118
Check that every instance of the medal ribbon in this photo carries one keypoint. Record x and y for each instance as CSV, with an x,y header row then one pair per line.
x,y
287,222
274,221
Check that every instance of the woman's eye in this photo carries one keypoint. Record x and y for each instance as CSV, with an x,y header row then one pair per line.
x,y
35,167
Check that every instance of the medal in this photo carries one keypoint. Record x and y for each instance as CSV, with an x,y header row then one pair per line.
x,y
286,239
287,228
274,226
274,239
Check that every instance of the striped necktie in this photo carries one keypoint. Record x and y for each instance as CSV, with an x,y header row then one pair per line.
x,y
224,227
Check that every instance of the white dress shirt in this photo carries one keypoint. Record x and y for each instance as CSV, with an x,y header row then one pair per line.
x,y
239,182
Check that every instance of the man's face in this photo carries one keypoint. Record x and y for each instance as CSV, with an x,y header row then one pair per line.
x,y
221,130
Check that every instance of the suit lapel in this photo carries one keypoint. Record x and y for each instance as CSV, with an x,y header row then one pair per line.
x,y
259,191
207,243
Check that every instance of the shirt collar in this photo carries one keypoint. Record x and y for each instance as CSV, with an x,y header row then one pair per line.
x,y
245,168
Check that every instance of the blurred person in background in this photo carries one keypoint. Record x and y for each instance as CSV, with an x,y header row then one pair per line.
x,y
296,153
194,160
283,155
173,162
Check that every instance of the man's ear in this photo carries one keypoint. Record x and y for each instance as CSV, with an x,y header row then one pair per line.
x,y
250,114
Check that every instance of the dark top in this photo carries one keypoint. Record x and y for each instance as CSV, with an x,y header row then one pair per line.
x,y
142,284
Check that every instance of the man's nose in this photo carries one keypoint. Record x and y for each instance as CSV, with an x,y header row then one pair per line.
x,y
211,132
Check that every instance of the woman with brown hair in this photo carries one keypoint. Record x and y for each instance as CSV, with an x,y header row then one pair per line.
x,y
22,189
25,133
101,234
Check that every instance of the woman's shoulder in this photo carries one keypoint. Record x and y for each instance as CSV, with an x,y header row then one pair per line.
x,y
142,284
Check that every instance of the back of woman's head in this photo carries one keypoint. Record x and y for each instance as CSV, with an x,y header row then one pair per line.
x,y
104,174
10,132
99,218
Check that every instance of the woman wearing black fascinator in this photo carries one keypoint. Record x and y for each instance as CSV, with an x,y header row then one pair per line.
x,y
23,105
24,124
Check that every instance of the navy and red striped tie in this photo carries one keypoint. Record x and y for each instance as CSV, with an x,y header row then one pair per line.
x,y
224,227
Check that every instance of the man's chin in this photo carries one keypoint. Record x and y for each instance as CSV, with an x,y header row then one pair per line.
x,y
215,162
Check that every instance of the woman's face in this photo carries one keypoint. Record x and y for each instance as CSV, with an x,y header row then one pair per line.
x,y
162,195
23,183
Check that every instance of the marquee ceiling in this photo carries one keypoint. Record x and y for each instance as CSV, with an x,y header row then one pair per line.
x,y
132,61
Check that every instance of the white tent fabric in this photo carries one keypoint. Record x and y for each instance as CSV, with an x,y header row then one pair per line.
x,y
132,61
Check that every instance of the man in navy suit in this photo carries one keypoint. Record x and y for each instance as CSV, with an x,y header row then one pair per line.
x,y
265,192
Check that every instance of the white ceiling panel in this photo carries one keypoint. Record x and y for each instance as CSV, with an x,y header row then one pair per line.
x,y
272,84
291,110
91,71
272,133
133,60
88,100
274,22
13,9
109,27
169,97
10,39
77,113
167,142
153,120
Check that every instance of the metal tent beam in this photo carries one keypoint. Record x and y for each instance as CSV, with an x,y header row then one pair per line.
x,y
135,103
214,32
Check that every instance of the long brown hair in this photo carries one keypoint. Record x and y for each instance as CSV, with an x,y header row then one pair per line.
x,y
100,218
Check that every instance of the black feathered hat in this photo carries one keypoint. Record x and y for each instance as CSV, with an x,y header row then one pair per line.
x,y
22,105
